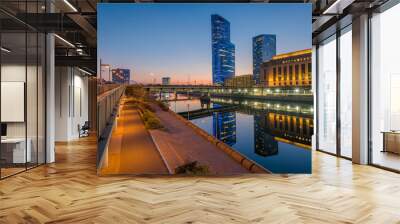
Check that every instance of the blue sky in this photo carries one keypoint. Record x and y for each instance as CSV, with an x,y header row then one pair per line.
x,y
156,40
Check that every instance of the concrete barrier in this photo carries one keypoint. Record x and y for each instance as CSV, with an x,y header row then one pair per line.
x,y
238,157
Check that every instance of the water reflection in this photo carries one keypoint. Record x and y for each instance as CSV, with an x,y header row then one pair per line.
x,y
276,135
264,143
224,126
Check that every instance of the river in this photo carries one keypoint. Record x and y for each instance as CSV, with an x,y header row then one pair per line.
x,y
275,135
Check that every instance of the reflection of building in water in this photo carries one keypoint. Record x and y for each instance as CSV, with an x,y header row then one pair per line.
x,y
264,142
224,127
291,127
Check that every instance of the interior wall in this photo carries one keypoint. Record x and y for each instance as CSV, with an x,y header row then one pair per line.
x,y
71,102
14,73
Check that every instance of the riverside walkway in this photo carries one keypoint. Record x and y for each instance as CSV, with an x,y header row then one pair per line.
x,y
180,144
131,149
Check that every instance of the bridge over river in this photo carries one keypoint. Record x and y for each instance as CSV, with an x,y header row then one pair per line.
x,y
294,94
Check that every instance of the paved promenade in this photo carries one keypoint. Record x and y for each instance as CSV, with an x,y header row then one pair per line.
x,y
131,149
180,144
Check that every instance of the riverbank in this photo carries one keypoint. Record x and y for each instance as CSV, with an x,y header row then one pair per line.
x,y
180,144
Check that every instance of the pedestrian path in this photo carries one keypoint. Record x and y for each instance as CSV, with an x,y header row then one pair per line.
x,y
131,149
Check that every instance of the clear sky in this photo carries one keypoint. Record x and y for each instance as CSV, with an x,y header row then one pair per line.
x,y
156,40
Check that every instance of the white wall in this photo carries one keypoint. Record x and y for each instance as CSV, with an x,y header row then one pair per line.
x,y
71,93
16,73
33,126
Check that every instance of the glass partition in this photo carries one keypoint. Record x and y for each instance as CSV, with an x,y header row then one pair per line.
x,y
326,95
345,58
13,117
22,88
385,89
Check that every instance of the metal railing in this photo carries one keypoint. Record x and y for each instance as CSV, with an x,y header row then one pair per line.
x,y
107,107
250,91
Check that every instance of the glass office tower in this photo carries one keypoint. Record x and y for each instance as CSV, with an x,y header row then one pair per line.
x,y
264,48
223,51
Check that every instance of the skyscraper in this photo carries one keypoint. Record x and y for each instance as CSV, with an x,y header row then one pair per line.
x,y
121,76
264,48
166,80
223,51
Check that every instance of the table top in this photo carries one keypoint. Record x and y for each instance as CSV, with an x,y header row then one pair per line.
x,y
391,132
13,140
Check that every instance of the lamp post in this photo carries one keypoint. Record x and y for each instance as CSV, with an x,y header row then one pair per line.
x,y
188,106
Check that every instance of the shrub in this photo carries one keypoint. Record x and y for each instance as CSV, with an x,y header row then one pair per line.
x,y
153,123
146,115
147,106
131,101
163,106
192,168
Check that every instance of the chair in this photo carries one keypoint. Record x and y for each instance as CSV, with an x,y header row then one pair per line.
x,y
84,130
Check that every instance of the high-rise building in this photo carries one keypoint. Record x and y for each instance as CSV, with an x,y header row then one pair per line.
x,y
166,80
264,48
121,76
223,51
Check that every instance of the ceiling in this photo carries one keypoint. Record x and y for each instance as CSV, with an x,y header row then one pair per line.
x,y
75,21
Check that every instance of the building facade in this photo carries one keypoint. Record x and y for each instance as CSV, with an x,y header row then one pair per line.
x,y
121,76
223,51
166,80
241,81
264,48
287,70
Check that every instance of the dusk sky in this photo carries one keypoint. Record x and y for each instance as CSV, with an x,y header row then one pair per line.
x,y
156,40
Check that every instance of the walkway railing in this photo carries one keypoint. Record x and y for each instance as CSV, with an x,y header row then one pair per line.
x,y
107,108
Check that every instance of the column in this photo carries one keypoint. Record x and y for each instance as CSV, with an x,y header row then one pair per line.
x,y
50,98
360,90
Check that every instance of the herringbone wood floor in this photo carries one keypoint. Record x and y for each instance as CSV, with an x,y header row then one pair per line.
x,y
70,192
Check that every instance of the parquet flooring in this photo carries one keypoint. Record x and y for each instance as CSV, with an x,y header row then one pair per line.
x,y
69,191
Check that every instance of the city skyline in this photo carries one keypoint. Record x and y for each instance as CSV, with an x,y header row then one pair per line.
x,y
151,46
